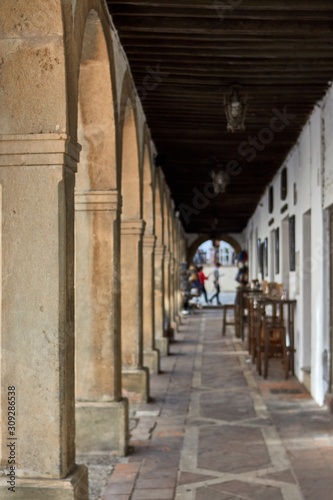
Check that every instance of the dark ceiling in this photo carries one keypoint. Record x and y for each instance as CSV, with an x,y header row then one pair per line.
x,y
279,51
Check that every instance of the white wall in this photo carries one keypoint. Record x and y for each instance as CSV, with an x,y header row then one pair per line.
x,y
310,166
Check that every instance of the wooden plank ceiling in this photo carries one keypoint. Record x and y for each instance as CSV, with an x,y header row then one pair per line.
x,y
279,51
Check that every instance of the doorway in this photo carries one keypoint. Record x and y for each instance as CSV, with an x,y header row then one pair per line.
x,y
306,292
285,253
331,298
272,256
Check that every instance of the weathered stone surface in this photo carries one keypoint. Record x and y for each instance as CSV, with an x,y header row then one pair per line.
x,y
136,384
151,359
161,342
102,426
150,354
38,310
74,487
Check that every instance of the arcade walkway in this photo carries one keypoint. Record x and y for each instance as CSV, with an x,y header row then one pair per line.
x,y
216,431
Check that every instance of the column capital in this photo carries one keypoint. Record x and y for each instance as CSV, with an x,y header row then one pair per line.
x,y
149,241
159,250
39,149
167,255
133,226
98,201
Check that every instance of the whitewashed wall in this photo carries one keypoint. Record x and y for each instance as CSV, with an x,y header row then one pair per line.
x,y
310,166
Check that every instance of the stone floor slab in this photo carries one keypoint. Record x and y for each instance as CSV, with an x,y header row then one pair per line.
x,y
215,430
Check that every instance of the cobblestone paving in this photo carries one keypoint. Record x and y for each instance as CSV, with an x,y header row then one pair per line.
x,y
216,431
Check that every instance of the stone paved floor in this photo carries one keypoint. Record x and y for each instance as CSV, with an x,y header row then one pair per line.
x,y
217,431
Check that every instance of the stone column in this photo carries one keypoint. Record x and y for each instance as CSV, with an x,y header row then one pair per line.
x,y
167,320
178,291
37,175
151,356
135,377
161,341
177,278
173,291
173,325
97,324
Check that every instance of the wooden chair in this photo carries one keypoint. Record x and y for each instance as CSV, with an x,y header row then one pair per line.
x,y
272,340
274,343
274,290
254,326
265,287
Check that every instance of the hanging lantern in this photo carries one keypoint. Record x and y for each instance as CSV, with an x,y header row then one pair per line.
x,y
235,110
220,181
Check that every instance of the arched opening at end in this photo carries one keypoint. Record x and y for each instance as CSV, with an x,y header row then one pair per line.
x,y
205,237
211,252
148,194
96,124
205,253
130,172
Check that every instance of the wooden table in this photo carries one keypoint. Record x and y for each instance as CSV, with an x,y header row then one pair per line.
x,y
242,292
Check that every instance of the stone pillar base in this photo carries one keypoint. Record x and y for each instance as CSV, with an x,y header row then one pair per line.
x,y
162,344
151,359
73,487
135,385
174,327
102,426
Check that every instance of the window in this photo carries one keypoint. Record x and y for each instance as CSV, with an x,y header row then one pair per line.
x,y
292,250
277,250
270,200
266,256
284,184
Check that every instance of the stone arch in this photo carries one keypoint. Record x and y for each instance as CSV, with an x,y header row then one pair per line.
x,y
205,237
148,190
166,216
161,341
131,172
97,249
159,220
76,19
135,377
150,354
167,258
96,123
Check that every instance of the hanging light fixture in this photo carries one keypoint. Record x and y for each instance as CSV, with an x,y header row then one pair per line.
x,y
220,180
235,109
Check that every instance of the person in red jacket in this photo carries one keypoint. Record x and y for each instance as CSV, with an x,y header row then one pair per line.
x,y
202,279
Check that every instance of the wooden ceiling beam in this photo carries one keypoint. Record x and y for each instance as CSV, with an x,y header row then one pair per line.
x,y
318,29
225,86
249,5
242,76
226,57
205,40
280,51
187,12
